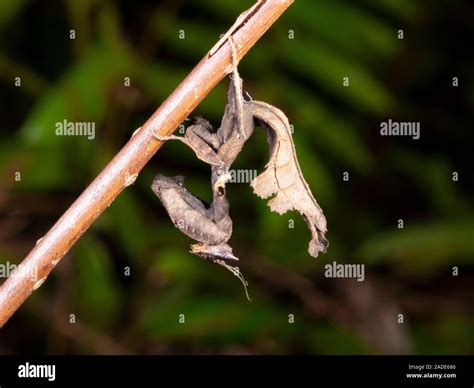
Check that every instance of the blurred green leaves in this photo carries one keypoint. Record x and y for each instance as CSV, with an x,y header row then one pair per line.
x,y
82,94
10,9
423,248
98,297
335,130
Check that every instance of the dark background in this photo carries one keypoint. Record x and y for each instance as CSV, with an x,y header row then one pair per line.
x,y
409,271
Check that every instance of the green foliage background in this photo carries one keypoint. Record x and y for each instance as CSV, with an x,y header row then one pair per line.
x,y
336,129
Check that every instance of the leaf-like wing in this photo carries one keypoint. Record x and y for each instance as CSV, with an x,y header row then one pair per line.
x,y
283,177
188,213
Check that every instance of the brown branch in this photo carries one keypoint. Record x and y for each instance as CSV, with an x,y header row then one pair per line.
x,y
125,166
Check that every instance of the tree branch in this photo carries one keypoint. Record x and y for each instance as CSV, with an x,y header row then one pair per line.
x,y
125,166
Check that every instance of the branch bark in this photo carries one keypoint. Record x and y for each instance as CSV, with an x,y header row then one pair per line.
x,y
123,169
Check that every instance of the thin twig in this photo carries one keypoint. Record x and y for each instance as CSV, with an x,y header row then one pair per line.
x,y
125,166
